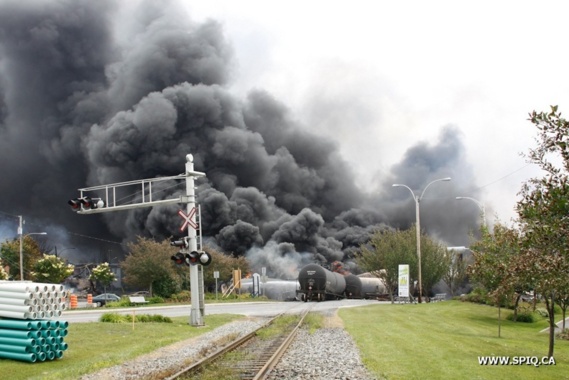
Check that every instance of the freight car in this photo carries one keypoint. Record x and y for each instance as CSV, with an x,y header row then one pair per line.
x,y
319,284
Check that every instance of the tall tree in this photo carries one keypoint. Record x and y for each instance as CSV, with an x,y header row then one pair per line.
x,y
544,213
384,252
434,263
456,273
148,263
389,248
102,274
224,264
31,253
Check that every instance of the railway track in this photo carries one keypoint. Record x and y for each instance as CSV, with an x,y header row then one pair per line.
x,y
251,356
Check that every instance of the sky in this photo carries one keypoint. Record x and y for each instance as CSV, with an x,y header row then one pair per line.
x,y
302,115
381,76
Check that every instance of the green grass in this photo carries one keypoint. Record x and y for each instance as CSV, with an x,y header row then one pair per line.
x,y
443,340
96,345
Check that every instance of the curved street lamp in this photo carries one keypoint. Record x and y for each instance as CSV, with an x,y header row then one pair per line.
x,y
417,200
21,254
480,205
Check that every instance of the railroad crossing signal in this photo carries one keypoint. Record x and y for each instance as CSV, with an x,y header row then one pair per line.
x,y
188,219
86,203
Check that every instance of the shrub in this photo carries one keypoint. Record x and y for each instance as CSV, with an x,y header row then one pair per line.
x,y
525,316
155,299
127,318
112,318
183,296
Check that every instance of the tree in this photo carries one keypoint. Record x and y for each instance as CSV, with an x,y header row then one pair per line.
x,y
224,264
148,263
102,274
544,214
3,272
389,248
434,263
10,251
456,273
494,256
51,269
384,252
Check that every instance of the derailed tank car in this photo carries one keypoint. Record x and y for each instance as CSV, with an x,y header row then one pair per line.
x,y
353,286
317,283
372,287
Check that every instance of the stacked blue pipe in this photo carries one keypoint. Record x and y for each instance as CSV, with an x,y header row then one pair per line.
x,y
26,331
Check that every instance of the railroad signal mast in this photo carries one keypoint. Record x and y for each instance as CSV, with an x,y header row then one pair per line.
x,y
195,258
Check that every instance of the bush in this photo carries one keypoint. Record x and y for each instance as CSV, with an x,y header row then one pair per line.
x,y
183,296
127,318
155,299
525,317
478,295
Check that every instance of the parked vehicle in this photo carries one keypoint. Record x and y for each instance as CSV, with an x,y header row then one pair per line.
x,y
102,299
142,293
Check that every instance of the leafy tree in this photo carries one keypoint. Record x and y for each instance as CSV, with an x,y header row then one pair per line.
x,y
3,273
51,269
102,274
544,214
148,263
434,263
389,248
494,255
384,252
10,251
456,274
224,264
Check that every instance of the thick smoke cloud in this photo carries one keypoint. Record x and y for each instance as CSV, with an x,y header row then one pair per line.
x,y
88,97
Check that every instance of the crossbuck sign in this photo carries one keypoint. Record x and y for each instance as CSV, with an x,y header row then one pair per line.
x,y
188,219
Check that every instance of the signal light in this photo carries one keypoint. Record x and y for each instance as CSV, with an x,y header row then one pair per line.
x,y
196,257
205,258
86,203
192,257
75,204
178,258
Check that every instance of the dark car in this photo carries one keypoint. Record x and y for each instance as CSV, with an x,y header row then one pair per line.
x,y
102,299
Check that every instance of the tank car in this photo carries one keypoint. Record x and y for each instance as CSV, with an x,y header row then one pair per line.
x,y
353,286
317,283
372,287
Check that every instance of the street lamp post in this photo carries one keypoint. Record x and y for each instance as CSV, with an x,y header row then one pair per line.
x,y
417,200
20,232
480,205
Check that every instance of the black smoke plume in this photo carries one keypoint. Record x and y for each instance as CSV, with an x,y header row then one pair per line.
x,y
95,92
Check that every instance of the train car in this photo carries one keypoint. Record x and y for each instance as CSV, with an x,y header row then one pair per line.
x,y
317,283
372,287
353,286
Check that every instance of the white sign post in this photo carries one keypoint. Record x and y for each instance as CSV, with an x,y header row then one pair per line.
x,y
403,280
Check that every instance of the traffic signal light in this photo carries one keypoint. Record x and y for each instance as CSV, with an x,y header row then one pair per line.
x,y
179,258
86,203
196,257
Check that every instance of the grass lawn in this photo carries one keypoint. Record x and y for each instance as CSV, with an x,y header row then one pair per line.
x,y
443,340
95,345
